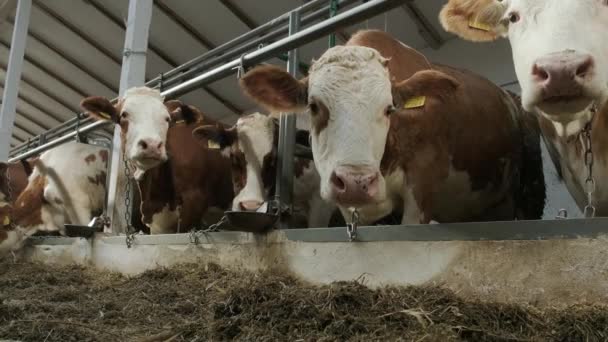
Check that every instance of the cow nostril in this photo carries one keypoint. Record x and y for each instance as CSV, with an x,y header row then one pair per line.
x,y
584,68
540,73
142,144
337,182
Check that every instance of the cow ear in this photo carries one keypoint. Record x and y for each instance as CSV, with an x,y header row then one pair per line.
x,y
412,92
191,114
477,21
100,108
216,136
27,165
275,89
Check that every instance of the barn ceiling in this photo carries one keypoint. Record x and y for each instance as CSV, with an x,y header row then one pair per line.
x,y
74,50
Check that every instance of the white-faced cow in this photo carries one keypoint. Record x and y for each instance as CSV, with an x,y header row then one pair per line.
x,y
561,62
178,178
390,131
67,185
251,144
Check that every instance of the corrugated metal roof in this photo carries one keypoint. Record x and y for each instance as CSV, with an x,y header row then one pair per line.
x,y
74,49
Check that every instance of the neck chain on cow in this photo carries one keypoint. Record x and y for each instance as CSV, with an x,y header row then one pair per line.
x,y
351,228
589,211
9,199
130,238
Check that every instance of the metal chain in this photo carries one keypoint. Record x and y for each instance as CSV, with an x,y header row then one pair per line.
x,y
589,210
130,238
9,189
195,234
351,228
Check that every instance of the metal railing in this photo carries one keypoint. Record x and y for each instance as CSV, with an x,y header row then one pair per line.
x,y
264,34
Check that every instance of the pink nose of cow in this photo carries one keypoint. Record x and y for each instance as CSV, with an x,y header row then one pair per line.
x,y
150,147
354,187
250,205
560,75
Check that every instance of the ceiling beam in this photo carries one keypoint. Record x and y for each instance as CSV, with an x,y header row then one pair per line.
x,y
34,104
240,14
156,50
71,60
425,28
191,30
30,117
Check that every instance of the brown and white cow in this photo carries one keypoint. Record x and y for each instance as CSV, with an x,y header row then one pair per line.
x,y
178,178
251,144
13,180
391,131
561,62
67,185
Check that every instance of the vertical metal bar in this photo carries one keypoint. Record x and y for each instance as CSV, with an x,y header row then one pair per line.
x,y
132,74
13,76
333,9
287,133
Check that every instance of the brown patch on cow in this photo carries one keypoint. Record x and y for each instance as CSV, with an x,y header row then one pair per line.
x,y
319,115
194,178
103,154
275,89
239,169
90,158
28,206
18,176
99,179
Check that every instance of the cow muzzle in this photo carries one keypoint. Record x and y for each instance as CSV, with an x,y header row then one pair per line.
x,y
563,79
149,153
354,186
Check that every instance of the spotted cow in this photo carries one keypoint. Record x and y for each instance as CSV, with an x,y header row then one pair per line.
x,y
67,185
178,178
251,144
392,131
561,61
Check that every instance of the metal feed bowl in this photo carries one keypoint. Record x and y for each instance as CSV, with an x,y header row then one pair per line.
x,y
248,221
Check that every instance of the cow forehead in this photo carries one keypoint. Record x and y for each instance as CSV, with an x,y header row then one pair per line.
x,y
144,107
255,135
535,8
349,72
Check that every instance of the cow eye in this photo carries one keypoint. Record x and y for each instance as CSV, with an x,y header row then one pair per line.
x,y
389,110
314,108
124,115
513,17
168,119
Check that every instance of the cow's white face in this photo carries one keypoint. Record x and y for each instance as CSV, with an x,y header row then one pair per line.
x,y
560,57
144,120
255,134
250,144
349,93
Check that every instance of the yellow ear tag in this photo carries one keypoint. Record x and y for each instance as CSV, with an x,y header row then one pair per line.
x,y
479,25
105,115
212,145
179,122
415,102
7,221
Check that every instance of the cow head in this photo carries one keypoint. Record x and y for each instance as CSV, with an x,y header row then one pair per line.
x,y
559,55
349,97
251,144
144,121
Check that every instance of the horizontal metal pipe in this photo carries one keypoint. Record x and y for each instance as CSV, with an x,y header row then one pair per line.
x,y
352,16
238,40
59,141
247,47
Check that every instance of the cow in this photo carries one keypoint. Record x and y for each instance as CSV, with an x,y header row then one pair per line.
x,y
561,62
178,178
251,144
66,185
391,131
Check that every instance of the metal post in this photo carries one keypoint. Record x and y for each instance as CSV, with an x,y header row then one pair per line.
x,y
13,76
287,134
133,74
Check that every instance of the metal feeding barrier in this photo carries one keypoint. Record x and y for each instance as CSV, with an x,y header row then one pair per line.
x,y
256,46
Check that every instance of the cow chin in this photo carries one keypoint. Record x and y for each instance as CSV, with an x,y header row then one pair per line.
x,y
146,162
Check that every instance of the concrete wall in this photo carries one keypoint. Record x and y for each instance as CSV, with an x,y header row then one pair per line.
x,y
544,272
